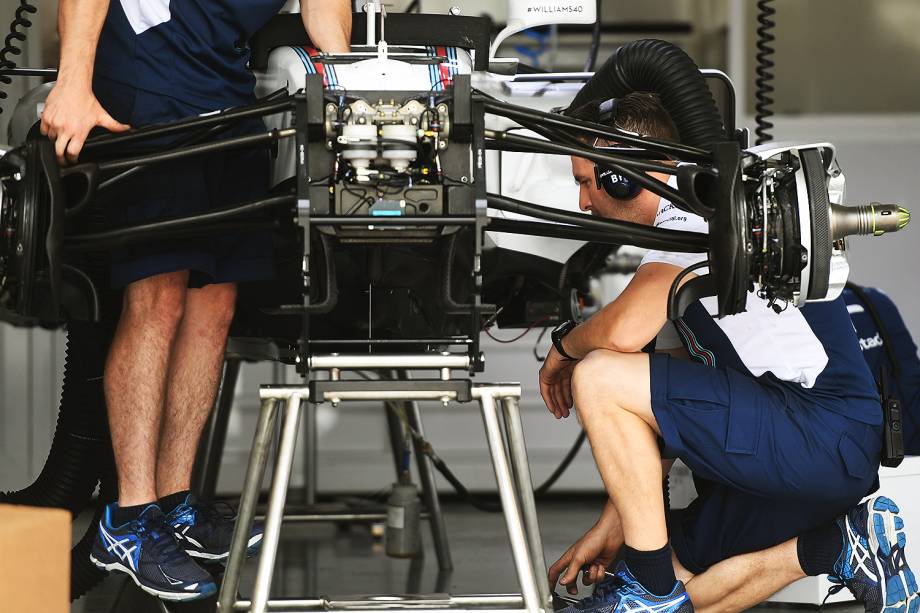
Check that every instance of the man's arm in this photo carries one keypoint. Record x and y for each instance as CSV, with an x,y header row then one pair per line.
x,y
626,325
72,110
328,23
631,321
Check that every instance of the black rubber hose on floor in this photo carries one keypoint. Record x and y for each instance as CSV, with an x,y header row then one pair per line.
x,y
80,450
652,65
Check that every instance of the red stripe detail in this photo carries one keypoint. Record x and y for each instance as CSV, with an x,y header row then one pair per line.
x,y
320,68
694,344
445,73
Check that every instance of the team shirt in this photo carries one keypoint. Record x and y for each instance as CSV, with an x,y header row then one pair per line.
x,y
811,353
906,387
192,50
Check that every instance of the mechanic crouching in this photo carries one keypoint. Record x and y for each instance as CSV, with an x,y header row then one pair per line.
x,y
776,414
134,63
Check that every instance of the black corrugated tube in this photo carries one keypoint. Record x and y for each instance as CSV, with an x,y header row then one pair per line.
x,y
80,450
652,65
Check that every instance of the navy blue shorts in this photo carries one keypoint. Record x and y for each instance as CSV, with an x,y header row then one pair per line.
x,y
767,464
185,187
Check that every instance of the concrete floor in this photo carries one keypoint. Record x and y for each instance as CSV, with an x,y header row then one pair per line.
x,y
322,559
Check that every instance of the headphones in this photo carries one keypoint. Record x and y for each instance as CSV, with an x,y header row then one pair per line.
x,y
606,178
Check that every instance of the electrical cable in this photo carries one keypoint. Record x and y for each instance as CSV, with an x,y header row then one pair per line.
x,y
519,336
764,70
18,26
591,62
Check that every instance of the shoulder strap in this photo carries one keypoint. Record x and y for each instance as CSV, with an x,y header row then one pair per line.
x,y
877,319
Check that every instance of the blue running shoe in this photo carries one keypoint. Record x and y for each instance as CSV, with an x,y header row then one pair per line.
x,y
205,531
872,564
145,550
622,593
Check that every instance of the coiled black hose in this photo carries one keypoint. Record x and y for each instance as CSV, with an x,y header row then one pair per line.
x,y
80,450
653,65
764,106
11,43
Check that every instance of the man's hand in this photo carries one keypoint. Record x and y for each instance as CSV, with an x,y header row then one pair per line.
x,y
597,549
556,383
71,111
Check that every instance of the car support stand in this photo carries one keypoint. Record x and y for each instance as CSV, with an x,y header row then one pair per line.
x,y
509,460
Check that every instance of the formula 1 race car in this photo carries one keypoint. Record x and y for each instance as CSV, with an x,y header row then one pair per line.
x,y
392,232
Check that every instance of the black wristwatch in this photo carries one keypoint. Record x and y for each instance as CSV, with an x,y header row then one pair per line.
x,y
559,333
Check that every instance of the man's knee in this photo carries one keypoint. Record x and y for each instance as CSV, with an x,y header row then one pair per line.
x,y
594,379
157,301
214,306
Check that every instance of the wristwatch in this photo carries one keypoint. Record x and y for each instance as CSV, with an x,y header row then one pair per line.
x,y
559,333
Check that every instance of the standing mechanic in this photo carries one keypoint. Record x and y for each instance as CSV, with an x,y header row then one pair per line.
x,y
886,344
139,62
777,416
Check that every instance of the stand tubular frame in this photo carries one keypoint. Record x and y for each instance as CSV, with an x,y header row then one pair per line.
x,y
499,406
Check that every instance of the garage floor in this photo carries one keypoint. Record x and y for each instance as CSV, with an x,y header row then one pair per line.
x,y
322,559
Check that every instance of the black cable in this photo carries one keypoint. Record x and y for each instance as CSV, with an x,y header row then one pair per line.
x,y
764,105
479,502
20,23
591,62
627,233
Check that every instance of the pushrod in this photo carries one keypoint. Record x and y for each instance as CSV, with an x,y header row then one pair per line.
x,y
268,107
239,142
624,165
512,111
640,235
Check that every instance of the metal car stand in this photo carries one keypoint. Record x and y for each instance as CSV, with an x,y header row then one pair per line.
x,y
210,453
509,460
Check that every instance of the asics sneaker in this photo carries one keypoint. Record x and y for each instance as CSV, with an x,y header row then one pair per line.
x,y
622,593
872,564
205,530
145,550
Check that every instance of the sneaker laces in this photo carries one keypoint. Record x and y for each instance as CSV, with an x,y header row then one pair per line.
x,y
838,585
154,530
602,591
206,515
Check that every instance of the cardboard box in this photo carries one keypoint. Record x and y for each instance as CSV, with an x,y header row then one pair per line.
x,y
34,559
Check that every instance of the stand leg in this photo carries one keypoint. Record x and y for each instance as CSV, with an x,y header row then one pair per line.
x,y
520,549
248,500
521,468
430,492
397,438
310,454
276,500
211,448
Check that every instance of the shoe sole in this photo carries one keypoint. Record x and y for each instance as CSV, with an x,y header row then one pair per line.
x,y
252,547
172,596
887,536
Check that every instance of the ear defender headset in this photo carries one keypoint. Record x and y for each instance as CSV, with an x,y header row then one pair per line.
x,y
616,185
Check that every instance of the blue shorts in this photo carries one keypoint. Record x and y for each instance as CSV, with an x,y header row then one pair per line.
x,y
185,187
768,465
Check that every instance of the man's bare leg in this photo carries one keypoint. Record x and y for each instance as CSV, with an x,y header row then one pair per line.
x,y
135,380
194,376
741,582
617,415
